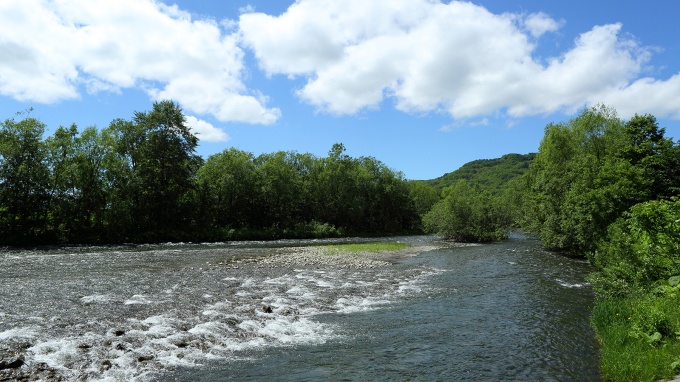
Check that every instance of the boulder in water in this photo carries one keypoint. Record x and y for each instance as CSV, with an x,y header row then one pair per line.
x,y
11,361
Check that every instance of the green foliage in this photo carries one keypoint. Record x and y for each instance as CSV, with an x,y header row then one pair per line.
x,y
467,214
601,186
490,174
502,178
423,195
582,180
639,337
641,249
637,283
365,247
228,182
77,184
24,182
140,180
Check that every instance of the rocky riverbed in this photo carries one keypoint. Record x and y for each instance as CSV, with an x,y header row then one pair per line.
x,y
129,315
322,257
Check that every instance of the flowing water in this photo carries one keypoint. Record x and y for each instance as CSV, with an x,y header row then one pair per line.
x,y
502,311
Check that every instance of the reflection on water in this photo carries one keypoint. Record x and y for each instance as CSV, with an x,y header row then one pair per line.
x,y
504,311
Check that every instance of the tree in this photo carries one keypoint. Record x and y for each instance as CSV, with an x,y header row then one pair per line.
x,y
656,156
154,167
578,182
24,182
229,179
61,152
423,195
467,214
78,191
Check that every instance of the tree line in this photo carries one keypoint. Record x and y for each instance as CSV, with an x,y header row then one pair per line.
x,y
140,180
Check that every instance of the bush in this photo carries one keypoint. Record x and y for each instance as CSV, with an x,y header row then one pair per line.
x,y
641,249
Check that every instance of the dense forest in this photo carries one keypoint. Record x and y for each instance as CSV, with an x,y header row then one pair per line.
x,y
140,180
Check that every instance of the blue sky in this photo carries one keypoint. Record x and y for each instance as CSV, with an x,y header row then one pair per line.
x,y
422,85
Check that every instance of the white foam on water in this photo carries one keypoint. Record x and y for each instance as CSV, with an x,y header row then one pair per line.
x,y
138,299
29,332
570,285
57,352
218,308
211,329
283,280
292,332
323,283
220,321
160,326
359,304
96,299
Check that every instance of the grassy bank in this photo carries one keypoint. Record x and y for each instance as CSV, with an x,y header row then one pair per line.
x,y
364,247
637,286
640,337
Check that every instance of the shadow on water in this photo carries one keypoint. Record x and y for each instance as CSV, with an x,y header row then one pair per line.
x,y
497,312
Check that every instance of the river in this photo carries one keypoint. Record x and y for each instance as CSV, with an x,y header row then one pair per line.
x,y
208,312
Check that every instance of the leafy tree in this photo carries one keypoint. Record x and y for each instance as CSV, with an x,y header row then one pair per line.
x,y
229,180
78,194
119,141
467,214
423,195
24,181
590,170
153,174
337,190
656,156
578,183
280,189
61,152
388,206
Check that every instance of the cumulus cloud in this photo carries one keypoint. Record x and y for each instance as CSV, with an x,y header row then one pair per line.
x,y
53,47
539,23
456,57
205,131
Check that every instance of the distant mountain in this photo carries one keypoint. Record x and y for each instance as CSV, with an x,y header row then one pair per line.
x,y
491,174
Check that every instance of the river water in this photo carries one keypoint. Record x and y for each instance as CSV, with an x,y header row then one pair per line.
x,y
497,312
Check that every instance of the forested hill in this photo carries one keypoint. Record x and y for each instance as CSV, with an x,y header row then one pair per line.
x,y
491,174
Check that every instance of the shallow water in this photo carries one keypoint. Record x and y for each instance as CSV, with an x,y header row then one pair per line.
x,y
504,311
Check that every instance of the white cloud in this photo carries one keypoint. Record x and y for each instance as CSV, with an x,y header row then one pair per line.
x,y
539,23
205,131
50,48
456,57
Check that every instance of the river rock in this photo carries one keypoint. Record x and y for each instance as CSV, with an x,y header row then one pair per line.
x,y
267,309
106,365
11,361
144,358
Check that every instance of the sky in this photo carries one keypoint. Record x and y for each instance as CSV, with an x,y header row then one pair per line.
x,y
424,86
